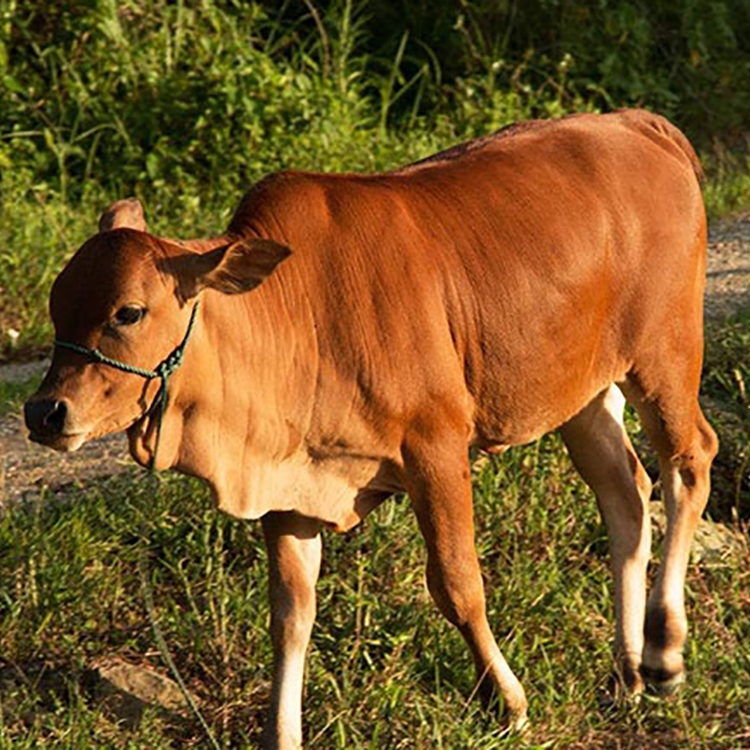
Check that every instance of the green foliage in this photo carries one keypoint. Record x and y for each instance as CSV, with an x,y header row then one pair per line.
x,y
186,103
209,95
689,59
161,93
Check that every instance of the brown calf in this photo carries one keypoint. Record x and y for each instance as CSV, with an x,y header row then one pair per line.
x,y
523,282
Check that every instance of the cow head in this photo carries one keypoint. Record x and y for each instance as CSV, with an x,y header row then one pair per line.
x,y
128,295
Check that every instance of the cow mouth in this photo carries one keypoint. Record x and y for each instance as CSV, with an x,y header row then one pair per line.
x,y
65,443
68,442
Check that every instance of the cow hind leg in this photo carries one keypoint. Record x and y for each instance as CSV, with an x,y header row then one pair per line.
x,y
604,456
438,480
686,446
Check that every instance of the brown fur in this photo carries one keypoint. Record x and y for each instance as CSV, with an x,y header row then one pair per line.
x,y
483,296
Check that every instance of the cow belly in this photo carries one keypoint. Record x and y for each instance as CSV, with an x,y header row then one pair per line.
x,y
534,407
339,492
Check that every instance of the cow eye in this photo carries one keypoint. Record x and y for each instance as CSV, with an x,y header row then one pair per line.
x,y
128,315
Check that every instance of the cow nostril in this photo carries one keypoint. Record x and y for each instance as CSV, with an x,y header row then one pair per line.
x,y
55,418
46,416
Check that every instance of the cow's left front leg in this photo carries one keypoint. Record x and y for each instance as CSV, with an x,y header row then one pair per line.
x,y
294,552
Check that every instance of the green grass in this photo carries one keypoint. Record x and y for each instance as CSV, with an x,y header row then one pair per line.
x,y
384,670
13,394
728,194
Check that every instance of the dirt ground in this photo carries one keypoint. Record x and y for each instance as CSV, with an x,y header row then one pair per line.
x,y
728,271
28,470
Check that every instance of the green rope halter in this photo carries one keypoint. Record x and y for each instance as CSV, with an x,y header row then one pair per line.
x,y
163,370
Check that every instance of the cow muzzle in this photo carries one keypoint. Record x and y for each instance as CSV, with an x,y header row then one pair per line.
x,y
49,423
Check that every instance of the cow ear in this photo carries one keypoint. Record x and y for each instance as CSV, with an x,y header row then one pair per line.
x,y
231,269
126,213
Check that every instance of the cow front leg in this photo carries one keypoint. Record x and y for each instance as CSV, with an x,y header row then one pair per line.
x,y
438,480
294,552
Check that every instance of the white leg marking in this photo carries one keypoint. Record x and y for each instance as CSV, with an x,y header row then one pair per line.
x,y
603,454
294,554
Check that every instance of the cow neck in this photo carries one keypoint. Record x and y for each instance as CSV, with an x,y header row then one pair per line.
x,y
236,408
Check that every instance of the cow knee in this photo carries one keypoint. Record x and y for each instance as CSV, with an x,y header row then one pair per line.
x,y
459,597
292,610
291,629
695,461
693,467
290,602
709,441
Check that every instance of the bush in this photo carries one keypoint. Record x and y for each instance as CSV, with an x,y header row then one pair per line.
x,y
186,103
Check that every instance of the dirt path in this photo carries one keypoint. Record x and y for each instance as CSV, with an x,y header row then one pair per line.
x,y
27,470
728,271
30,471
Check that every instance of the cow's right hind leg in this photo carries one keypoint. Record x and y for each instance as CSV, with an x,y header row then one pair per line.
x,y
686,445
604,456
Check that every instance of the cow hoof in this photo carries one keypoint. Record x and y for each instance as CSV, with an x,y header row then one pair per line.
x,y
518,722
662,682
623,688
626,681
515,720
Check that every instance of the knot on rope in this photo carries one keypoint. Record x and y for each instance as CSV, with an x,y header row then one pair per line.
x,y
170,364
